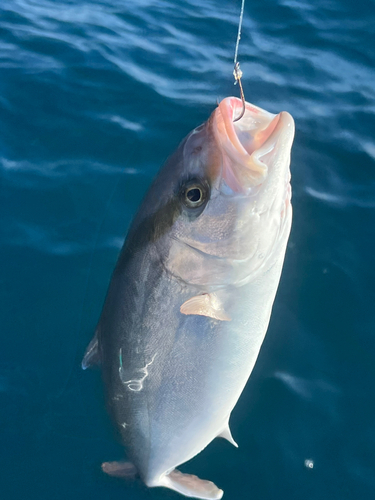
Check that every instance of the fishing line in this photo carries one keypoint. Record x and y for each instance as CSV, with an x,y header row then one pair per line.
x,y
237,73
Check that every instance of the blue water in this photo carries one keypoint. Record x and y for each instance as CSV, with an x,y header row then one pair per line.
x,y
93,97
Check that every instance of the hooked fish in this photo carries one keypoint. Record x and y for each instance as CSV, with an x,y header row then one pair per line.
x,y
190,298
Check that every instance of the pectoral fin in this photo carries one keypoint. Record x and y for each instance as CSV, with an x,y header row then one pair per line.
x,y
191,486
92,356
207,304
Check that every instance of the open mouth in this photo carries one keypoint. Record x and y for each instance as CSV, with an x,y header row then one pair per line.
x,y
252,144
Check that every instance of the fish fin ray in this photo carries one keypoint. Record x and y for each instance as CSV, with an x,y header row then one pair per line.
x,y
119,469
92,355
191,486
207,304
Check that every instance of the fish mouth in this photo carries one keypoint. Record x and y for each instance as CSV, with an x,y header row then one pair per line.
x,y
254,145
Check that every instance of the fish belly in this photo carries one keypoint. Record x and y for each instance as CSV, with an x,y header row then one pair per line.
x,y
179,388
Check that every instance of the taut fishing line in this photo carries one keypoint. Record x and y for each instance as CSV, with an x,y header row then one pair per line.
x,y
237,73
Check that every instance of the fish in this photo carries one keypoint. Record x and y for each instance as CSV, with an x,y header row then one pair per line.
x,y
190,298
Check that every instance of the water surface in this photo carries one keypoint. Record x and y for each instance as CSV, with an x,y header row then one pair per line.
x,y
93,98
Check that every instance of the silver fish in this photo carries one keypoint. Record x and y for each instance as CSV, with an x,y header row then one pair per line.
x,y
191,295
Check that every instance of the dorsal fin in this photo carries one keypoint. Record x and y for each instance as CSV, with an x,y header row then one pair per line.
x,y
92,355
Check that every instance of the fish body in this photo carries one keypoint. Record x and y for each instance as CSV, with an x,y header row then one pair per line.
x,y
191,295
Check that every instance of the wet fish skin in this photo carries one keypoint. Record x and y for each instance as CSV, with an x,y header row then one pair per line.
x,y
192,292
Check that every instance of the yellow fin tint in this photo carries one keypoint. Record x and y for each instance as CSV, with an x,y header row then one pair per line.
x,y
207,304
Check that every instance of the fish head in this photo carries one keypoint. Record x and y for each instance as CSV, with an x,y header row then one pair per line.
x,y
234,194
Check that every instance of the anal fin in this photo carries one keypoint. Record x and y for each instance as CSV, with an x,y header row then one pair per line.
x,y
92,356
191,486
226,434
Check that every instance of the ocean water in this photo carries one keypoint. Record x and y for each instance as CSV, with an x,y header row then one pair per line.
x,y
94,95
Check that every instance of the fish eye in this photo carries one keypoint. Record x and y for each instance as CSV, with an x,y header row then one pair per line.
x,y
194,194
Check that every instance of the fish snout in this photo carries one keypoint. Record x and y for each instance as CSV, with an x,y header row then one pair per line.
x,y
254,148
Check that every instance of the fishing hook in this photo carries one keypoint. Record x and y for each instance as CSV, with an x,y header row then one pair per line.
x,y
237,73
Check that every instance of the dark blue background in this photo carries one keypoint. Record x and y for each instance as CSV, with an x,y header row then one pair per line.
x,y
93,97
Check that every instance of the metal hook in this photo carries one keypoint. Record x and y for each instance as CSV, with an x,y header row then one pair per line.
x,y
237,75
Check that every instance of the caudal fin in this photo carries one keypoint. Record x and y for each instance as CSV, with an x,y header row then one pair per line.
x,y
119,469
191,486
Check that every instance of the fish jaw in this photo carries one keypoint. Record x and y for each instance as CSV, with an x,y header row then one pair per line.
x,y
247,143
245,225
255,174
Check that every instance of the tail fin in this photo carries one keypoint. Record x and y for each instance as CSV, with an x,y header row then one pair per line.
x,y
191,486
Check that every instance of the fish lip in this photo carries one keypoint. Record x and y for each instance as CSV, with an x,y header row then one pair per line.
x,y
231,107
244,165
